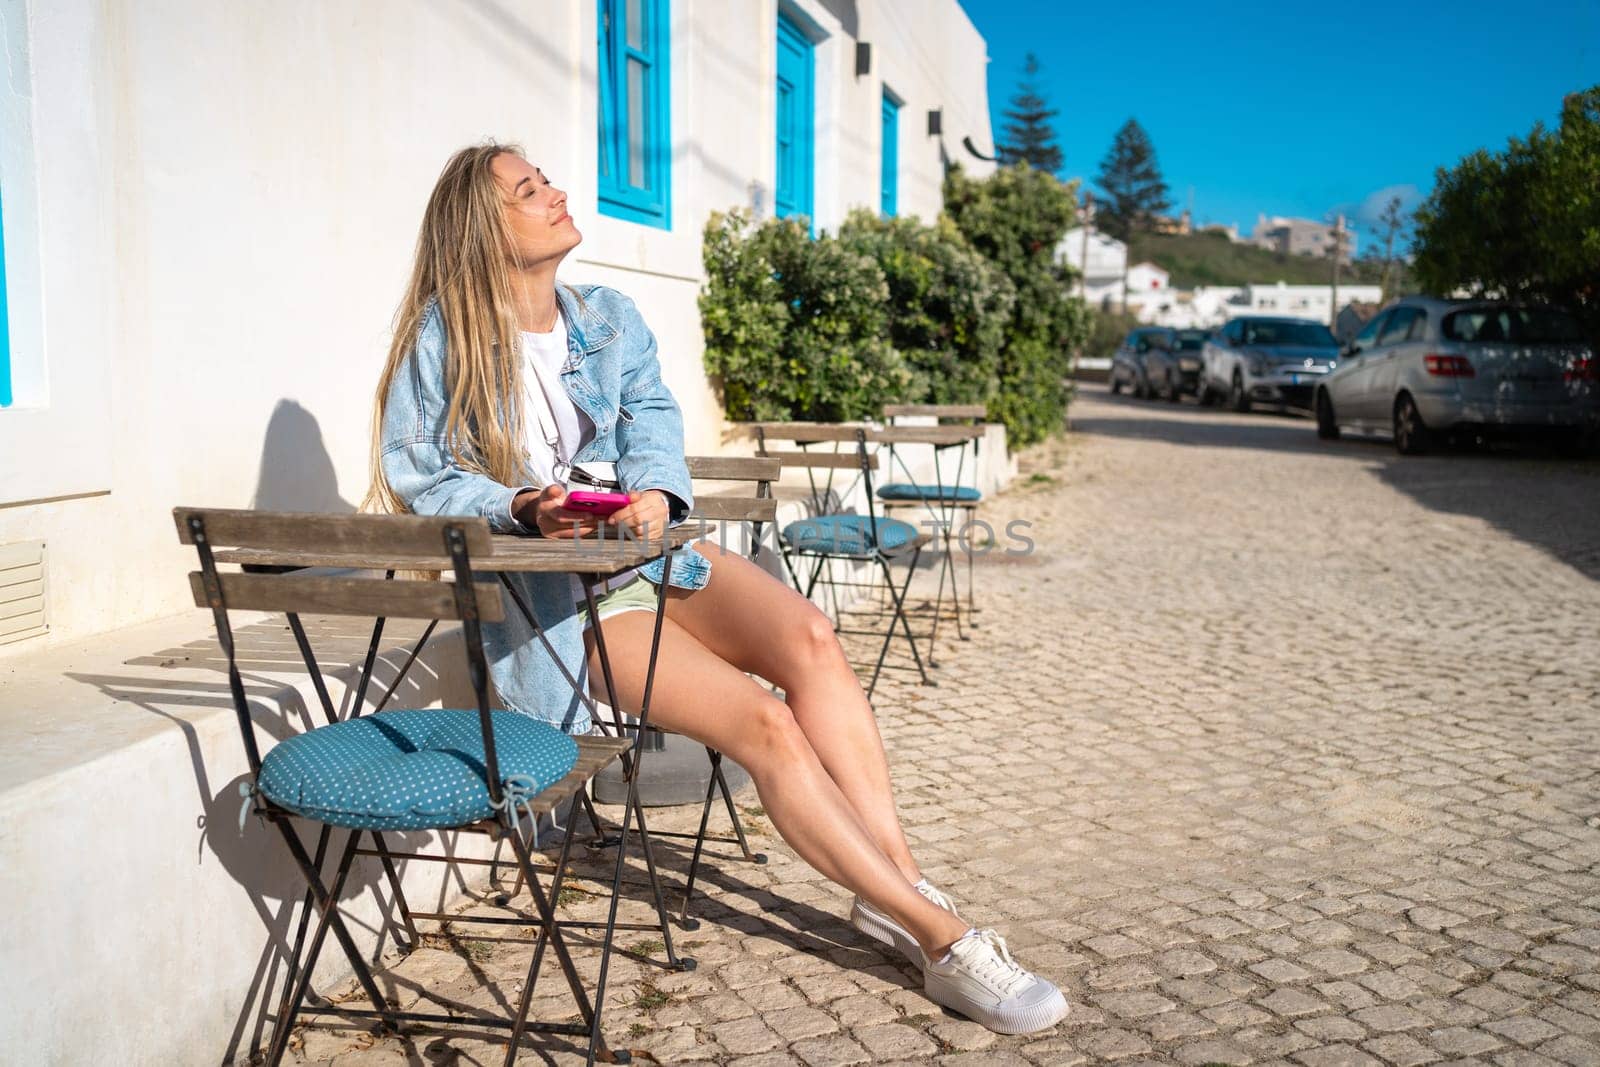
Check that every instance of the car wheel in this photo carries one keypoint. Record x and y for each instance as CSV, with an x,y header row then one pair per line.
x,y
1411,435
1238,399
1174,388
1327,425
1139,388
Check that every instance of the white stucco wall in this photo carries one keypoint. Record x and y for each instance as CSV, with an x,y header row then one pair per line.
x,y
209,215
226,198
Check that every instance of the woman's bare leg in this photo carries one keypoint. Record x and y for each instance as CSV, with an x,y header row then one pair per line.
x,y
700,695
759,624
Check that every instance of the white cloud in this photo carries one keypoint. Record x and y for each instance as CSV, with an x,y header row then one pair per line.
x,y
1368,213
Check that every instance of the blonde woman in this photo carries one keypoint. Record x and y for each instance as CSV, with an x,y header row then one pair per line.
x,y
498,383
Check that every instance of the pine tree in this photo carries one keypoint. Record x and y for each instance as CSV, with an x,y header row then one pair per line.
x,y
1029,135
1131,181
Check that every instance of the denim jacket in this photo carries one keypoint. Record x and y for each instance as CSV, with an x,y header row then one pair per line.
x,y
613,377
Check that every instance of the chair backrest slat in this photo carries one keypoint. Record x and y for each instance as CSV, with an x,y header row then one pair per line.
x,y
736,508
807,431
320,595
381,536
847,460
942,411
734,468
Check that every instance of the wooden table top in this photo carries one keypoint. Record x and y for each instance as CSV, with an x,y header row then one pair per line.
x,y
512,553
888,435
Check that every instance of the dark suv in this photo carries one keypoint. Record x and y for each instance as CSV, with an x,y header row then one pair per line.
x,y
1130,364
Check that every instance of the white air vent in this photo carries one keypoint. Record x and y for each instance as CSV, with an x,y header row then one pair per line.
x,y
21,591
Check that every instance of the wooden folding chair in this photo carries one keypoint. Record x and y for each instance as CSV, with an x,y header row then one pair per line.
x,y
941,499
478,771
830,536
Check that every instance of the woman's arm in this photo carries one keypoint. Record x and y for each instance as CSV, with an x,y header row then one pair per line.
x,y
649,427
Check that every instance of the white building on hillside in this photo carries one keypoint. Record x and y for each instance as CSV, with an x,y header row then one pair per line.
x,y
1101,262
1299,301
1303,237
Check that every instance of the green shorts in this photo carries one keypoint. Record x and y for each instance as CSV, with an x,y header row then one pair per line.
x,y
637,594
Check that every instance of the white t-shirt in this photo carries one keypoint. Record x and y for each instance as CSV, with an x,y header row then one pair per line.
x,y
556,429
555,426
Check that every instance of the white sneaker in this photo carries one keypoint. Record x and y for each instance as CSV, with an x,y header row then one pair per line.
x,y
980,980
880,927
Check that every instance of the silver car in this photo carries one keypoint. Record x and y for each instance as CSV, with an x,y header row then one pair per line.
x,y
1261,359
1424,368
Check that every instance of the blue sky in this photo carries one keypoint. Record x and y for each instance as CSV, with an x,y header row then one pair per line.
x,y
1290,109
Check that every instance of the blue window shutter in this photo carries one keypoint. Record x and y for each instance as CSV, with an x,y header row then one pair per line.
x,y
796,124
889,191
635,141
5,322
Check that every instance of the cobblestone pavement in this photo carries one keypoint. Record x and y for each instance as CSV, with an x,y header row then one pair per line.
x,y
1273,751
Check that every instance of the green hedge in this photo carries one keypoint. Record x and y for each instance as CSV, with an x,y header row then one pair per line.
x,y
971,309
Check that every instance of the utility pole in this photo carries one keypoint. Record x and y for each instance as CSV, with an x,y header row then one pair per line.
x,y
1338,254
1088,223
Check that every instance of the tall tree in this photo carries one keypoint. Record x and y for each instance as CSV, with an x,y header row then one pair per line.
x,y
1130,178
1523,223
1392,224
1030,136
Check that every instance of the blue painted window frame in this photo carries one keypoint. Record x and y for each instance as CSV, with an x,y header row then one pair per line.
x,y
796,122
889,167
648,200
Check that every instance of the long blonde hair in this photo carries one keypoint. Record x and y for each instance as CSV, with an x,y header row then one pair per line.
x,y
463,261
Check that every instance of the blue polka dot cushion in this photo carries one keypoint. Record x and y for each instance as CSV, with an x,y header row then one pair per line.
x,y
408,770
848,534
919,491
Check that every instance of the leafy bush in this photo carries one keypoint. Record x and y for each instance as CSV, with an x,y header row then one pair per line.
x,y
948,305
1016,218
972,309
796,328
1106,331
1523,223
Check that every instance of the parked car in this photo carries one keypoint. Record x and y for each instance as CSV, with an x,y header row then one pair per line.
x,y
1129,364
1257,359
1175,370
1425,367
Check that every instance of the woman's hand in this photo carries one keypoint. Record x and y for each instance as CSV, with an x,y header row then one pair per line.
x,y
646,515
545,511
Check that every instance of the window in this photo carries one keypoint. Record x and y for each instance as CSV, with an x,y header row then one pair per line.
x,y
1536,326
1369,333
889,193
635,137
1398,326
796,89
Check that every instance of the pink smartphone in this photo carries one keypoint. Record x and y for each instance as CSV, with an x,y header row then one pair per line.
x,y
596,503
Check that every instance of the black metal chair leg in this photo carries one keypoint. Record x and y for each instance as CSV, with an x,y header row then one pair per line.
x,y
674,961
545,906
539,944
759,858
328,918
307,903
399,892
905,624
699,848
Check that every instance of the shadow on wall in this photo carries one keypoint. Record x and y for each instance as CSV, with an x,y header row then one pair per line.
x,y
250,852
296,471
